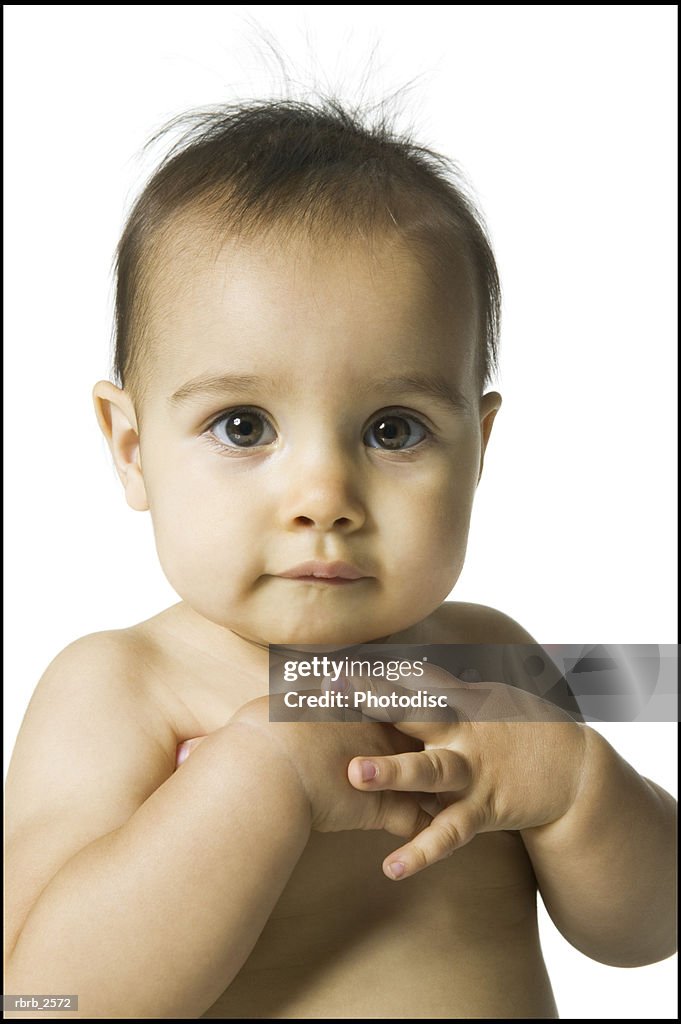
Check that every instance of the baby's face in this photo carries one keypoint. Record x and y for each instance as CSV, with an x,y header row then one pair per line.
x,y
312,439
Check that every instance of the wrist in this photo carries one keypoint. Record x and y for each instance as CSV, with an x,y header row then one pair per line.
x,y
261,753
593,765
260,757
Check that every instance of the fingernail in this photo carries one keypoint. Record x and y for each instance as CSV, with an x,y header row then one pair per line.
x,y
182,753
396,869
369,771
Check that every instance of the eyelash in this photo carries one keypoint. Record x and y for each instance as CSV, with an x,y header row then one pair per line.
x,y
232,451
236,451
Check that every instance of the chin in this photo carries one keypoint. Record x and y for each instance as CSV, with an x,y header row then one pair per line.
x,y
330,637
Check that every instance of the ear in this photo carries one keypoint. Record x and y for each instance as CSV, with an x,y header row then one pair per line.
x,y
489,407
117,419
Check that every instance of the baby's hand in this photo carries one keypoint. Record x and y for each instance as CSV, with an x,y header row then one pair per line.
x,y
320,753
485,776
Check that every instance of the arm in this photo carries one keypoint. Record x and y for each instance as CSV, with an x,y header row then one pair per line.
x,y
601,837
143,891
154,915
607,868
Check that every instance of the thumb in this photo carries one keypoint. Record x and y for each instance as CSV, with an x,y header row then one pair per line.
x,y
184,749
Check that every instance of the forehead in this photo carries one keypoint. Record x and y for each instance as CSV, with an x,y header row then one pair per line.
x,y
294,307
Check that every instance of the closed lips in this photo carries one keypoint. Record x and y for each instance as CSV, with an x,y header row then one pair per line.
x,y
341,571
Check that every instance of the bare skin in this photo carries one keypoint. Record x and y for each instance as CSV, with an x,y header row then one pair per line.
x,y
460,940
342,940
309,407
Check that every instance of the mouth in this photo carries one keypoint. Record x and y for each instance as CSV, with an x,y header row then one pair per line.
x,y
324,573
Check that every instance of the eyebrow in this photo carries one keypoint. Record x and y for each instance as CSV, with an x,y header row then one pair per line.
x,y
239,384
425,385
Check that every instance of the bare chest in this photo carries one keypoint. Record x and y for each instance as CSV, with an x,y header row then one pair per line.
x,y
340,873
344,941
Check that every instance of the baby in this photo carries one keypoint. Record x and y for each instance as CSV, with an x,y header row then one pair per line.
x,y
307,316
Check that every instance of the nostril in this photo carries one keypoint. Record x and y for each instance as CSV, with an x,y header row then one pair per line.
x,y
304,521
342,521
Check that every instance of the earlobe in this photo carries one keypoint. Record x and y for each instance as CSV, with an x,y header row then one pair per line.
x,y
118,422
489,407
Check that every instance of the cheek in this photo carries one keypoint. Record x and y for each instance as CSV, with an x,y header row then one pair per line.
x,y
203,528
437,516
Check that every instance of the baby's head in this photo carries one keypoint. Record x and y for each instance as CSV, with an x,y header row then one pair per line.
x,y
307,314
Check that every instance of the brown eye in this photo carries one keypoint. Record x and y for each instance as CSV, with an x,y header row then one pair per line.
x,y
392,433
243,428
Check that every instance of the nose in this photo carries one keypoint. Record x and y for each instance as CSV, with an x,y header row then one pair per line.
x,y
324,493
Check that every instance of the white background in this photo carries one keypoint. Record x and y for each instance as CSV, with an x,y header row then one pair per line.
x,y
563,117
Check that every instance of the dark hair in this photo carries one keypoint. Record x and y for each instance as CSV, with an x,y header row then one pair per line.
x,y
317,167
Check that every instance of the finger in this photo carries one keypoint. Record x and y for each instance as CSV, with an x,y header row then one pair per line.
x,y
435,770
431,701
376,699
449,831
431,803
401,815
184,749
432,730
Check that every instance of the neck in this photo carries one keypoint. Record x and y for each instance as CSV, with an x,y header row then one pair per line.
x,y
227,645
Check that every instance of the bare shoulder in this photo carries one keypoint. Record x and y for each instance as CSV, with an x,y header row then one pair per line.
x,y
102,677
93,745
93,700
463,622
510,654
